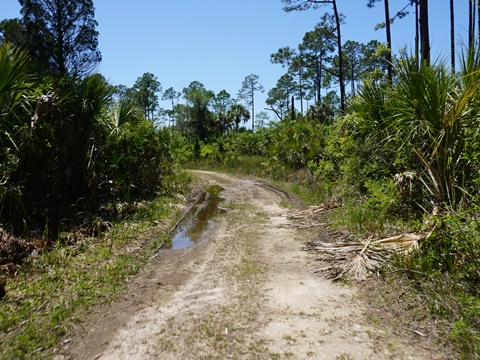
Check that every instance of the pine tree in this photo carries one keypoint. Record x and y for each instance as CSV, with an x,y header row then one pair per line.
x,y
62,36
250,85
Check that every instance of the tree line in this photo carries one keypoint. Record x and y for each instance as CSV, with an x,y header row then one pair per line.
x,y
59,52
328,34
202,114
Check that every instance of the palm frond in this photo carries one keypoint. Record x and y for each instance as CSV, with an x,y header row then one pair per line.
x,y
125,113
13,78
358,260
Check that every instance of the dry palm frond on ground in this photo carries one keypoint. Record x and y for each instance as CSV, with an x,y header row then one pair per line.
x,y
356,260
312,210
360,259
309,218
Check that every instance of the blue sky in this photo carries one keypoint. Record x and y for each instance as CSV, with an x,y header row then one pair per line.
x,y
219,42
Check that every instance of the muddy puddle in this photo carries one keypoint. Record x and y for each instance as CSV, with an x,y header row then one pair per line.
x,y
196,221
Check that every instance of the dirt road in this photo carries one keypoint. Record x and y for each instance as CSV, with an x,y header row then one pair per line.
x,y
246,291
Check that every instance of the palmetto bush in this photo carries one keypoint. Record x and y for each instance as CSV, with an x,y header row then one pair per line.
x,y
433,112
94,154
363,148
134,163
14,83
422,123
57,159
298,143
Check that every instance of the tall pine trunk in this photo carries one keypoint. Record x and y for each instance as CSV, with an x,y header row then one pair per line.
x,y
424,33
340,58
389,42
417,30
253,111
300,85
452,35
318,81
478,20
471,24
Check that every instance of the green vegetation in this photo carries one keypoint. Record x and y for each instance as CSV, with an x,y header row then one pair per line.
x,y
84,165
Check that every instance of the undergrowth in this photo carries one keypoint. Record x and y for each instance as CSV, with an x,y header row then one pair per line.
x,y
446,270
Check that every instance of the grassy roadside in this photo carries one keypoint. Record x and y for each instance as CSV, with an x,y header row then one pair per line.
x,y
57,288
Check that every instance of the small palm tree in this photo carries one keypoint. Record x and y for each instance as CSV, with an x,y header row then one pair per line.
x,y
238,113
80,132
432,111
429,112
125,113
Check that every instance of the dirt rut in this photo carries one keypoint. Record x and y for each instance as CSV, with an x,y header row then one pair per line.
x,y
246,291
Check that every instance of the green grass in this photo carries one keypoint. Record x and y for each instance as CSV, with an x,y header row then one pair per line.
x,y
447,268
58,287
241,165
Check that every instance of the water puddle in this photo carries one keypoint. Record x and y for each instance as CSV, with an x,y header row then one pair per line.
x,y
197,219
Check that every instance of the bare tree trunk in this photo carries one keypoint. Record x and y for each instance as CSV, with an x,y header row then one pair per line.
x,y
452,35
389,42
60,54
340,58
424,33
300,76
253,111
474,16
352,74
470,24
478,20
417,30
319,79
293,108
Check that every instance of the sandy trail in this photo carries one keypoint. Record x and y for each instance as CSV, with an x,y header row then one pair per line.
x,y
247,291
